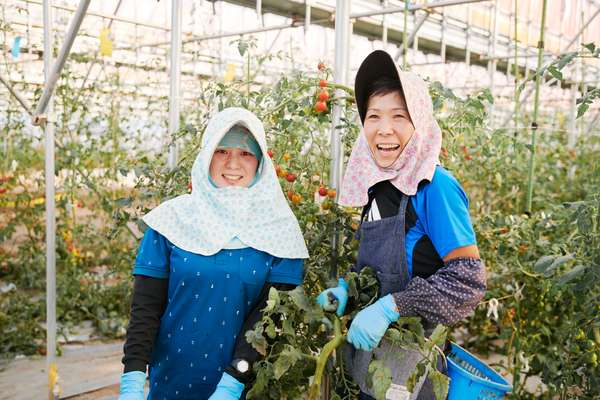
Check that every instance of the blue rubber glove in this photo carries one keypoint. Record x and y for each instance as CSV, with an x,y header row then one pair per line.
x,y
228,388
370,324
332,296
132,385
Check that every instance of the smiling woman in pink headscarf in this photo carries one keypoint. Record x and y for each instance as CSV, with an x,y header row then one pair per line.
x,y
415,231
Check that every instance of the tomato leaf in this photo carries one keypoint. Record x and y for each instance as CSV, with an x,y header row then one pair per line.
x,y
440,383
380,378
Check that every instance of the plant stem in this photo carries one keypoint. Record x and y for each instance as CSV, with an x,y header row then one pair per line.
x,y
334,343
536,104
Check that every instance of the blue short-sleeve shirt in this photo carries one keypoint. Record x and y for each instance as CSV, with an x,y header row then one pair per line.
x,y
442,210
209,297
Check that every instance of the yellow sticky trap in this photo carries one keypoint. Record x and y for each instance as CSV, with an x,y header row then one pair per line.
x,y
229,73
106,45
53,385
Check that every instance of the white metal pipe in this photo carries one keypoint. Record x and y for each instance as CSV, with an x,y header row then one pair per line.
x,y
414,7
51,368
104,16
413,34
342,28
259,11
384,26
492,63
217,36
174,76
307,10
53,76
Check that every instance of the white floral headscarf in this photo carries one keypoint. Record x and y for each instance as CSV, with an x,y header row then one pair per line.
x,y
209,218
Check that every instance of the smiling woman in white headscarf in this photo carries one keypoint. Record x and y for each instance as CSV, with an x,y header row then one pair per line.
x,y
415,232
205,266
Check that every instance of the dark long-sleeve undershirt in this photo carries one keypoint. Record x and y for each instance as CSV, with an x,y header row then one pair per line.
x,y
147,307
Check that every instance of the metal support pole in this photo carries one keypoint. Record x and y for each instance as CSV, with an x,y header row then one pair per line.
x,y
468,37
405,36
342,28
307,8
52,78
413,35
51,368
553,80
259,11
443,38
534,122
384,26
16,95
174,76
342,33
493,61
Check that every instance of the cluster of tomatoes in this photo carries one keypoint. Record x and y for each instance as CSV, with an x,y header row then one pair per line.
x,y
323,94
3,180
291,177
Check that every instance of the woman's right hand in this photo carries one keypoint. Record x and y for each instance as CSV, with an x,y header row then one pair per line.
x,y
132,385
334,298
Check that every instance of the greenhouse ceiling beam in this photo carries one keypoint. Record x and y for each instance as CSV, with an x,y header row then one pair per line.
x,y
294,24
53,76
16,95
554,80
102,15
415,7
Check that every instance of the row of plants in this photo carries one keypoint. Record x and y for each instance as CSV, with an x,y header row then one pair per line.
x,y
542,305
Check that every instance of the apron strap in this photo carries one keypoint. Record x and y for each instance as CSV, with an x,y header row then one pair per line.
x,y
401,216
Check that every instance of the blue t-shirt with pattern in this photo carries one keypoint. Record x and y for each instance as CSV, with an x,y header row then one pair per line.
x,y
209,297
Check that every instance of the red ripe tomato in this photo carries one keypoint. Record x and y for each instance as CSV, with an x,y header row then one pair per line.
x,y
322,83
321,66
190,185
320,106
322,191
323,95
290,177
270,153
290,194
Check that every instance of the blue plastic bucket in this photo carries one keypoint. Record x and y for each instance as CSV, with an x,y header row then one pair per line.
x,y
471,378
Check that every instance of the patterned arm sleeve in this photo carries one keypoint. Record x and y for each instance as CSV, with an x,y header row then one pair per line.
x,y
447,296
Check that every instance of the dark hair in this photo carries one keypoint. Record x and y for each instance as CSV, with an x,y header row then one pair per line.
x,y
383,86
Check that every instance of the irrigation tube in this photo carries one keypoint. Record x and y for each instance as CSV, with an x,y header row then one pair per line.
x,y
51,369
536,105
52,76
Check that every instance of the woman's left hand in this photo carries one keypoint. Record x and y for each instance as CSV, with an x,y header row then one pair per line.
x,y
228,388
370,324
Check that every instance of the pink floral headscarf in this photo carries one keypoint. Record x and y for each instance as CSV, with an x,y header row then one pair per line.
x,y
416,162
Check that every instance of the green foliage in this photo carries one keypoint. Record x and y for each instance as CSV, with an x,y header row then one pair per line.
x,y
543,267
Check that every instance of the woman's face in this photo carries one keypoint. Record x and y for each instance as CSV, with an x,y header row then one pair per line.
x,y
233,167
388,127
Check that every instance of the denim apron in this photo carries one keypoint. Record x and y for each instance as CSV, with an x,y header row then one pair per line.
x,y
382,247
